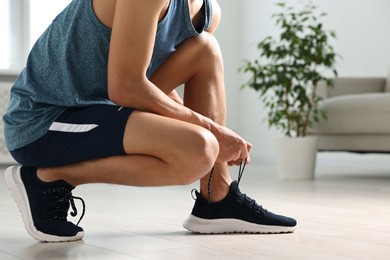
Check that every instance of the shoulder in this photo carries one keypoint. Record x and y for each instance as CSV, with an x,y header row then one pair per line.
x,y
105,10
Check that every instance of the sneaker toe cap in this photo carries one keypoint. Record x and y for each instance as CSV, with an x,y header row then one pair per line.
x,y
279,220
60,228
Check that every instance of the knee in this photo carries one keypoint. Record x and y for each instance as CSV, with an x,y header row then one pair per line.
x,y
206,149
199,157
209,47
204,50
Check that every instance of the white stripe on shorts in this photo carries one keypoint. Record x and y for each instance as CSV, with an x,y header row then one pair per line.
x,y
72,128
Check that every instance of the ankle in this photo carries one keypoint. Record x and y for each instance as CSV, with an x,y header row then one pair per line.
x,y
217,192
47,175
219,184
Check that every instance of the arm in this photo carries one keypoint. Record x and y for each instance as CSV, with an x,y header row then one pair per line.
x,y
176,97
132,40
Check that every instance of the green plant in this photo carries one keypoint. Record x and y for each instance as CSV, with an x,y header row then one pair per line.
x,y
289,68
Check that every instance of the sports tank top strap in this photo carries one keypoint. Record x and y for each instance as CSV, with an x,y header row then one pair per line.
x,y
208,14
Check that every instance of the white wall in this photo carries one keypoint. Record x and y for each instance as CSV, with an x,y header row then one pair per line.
x,y
228,34
363,41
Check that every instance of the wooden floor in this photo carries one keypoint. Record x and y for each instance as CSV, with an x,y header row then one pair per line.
x,y
343,214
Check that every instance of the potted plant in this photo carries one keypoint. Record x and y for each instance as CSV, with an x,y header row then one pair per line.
x,y
286,75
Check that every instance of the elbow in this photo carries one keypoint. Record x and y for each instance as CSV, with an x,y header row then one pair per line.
x,y
118,100
124,93
115,97
114,90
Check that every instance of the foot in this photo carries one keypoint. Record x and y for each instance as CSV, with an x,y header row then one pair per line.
x,y
237,213
43,205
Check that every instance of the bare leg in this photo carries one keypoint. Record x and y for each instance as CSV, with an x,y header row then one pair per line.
x,y
161,151
198,63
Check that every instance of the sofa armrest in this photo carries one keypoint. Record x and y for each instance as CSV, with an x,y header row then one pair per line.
x,y
387,86
349,86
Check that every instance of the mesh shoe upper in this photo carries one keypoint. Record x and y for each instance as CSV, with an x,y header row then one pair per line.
x,y
44,205
237,205
49,204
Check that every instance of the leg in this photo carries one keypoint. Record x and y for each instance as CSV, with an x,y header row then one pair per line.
x,y
198,64
160,151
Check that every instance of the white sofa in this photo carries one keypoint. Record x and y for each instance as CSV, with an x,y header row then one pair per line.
x,y
358,111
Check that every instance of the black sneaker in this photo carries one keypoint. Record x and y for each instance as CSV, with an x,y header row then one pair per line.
x,y
236,213
44,206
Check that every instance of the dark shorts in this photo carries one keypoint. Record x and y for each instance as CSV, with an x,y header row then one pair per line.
x,y
78,134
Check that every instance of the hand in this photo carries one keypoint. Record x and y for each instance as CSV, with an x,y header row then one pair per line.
x,y
232,148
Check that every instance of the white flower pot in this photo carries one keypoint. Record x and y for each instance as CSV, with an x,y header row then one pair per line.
x,y
296,157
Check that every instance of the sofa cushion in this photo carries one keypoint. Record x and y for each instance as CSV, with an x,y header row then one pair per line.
x,y
355,114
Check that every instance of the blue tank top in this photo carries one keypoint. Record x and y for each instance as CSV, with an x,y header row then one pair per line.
x,y
67,67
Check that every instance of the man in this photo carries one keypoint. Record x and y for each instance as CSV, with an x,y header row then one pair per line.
x,y
96,103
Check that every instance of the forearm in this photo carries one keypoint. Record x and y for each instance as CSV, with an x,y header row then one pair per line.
x,y
173,95
145,96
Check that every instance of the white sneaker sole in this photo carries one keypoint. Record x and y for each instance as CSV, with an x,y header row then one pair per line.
x,y
225,226
15,185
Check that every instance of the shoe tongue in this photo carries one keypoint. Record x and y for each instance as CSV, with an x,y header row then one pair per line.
x,y
234,188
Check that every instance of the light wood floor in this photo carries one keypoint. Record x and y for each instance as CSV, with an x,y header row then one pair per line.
x,y
343,214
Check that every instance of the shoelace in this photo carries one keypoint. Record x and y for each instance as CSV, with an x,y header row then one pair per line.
x,y
209,185
74,213
240,172
63,197
243,198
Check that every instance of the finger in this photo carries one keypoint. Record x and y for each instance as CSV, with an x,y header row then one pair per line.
x,y
248,146
236,156
235,162
248,159
244,152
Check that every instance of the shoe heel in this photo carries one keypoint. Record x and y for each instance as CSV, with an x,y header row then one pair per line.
x,y
16,187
